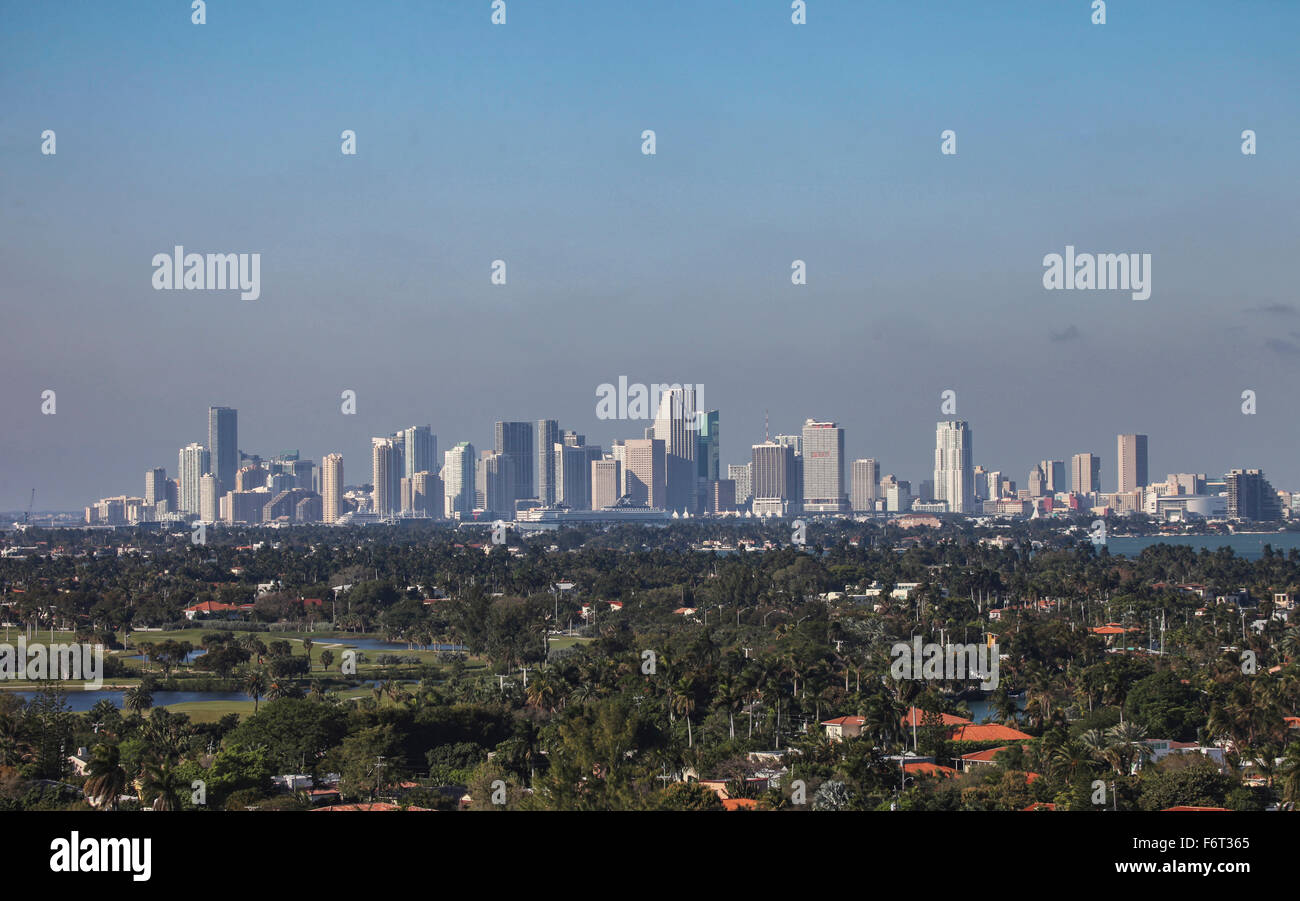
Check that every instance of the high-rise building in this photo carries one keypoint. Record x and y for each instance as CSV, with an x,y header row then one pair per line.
x,y
458,481
155,485
954,469
385,465
194,463
514,440
1085,474
1053,476
823,468
426,495
739,473
865,485
223,444
548,435
331,485
494,488
677,424
774,479
573,460
993,488
1131,462
644,478
419,450
1250,496
606,482
707,447
1037,481
209,498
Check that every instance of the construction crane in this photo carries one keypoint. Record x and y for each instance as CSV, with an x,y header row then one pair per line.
x,y
30,502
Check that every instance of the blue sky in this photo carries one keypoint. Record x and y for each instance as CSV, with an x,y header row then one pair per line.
x,y
522,142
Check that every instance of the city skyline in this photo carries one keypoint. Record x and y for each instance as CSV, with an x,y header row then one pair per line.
x,y
468,481
924,271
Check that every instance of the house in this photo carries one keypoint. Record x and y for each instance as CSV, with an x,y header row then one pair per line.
x,y
987,732
915,716
843,727
927,769
213,608
976,759
739,804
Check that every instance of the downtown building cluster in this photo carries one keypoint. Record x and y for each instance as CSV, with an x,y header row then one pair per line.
x,y
540,475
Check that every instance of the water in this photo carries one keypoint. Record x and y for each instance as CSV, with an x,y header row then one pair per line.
x,y
985,710
375,644
189,658
81,701
1249,546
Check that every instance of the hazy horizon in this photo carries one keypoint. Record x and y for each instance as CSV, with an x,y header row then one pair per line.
x,y
523,142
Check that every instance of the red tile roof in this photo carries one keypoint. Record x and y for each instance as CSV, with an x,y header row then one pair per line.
x,y
987,732
929,769
739,804
947,719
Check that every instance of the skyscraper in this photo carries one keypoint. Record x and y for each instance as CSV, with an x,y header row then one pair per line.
x,y
458,481
494,487
707,447
194,462
1085,474
384,466
774,479
548,435
1250,496
866,485
606,479
954,468
223,445
209,498
426,495
677,424
155,486
644,476
514,440
1053,475
823,468
331,487
1131,462
739,473
419,450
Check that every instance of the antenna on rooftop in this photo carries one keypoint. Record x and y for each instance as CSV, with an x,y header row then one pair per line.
x,y
767,433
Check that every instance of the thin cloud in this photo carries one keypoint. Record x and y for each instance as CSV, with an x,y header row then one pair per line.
x,y
1071,333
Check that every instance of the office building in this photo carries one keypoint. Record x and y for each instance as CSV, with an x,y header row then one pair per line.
x,y
1251,497
385,476
1085,474
1131,463
954,469
223,445
331,484
606,482
514,440
193,464
645,471
865,485
823,468
458,481
548,435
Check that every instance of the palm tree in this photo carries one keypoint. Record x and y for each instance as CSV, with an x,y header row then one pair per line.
x,y
163,784
255,686
107,778
138,698
14,749
683,702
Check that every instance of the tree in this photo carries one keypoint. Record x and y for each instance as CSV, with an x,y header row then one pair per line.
x,y
255,685
162,785
137,698
106,777
326,658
